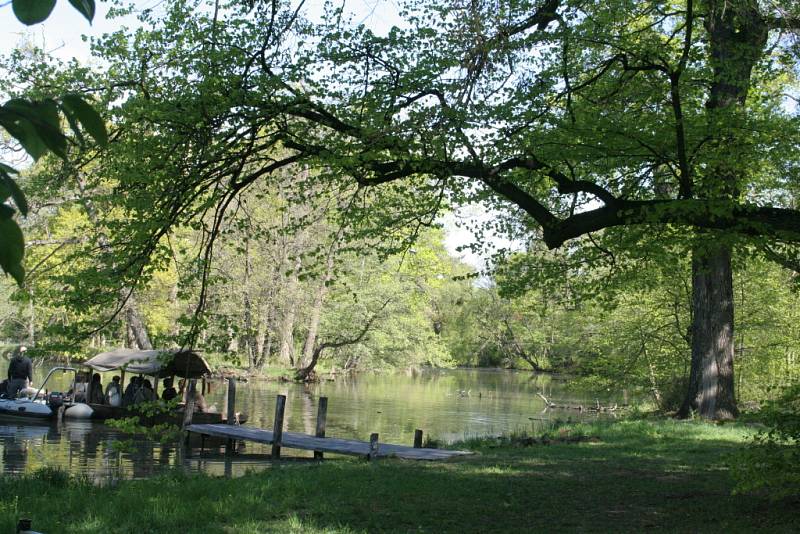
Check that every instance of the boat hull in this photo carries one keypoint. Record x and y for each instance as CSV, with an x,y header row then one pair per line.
x,y
101,412
25,409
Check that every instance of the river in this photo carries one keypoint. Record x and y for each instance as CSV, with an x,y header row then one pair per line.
x,y
447,405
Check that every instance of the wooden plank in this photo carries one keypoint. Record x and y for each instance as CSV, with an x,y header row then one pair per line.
x,y
322,415
277,426
294,440
418,439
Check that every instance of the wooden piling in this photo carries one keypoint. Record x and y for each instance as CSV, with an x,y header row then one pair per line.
x,y
190,400
277,426
322,415
418,439
230,410
373,446
188,410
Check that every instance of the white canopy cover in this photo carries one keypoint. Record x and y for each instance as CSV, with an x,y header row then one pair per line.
x,y
170,362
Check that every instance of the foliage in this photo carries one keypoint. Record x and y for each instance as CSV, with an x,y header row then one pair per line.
x,y
36,125
142,424
771,462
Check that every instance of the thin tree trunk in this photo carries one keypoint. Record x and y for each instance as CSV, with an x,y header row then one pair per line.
x,y
31,320
305,373
249,338
286,330
316,308
137,331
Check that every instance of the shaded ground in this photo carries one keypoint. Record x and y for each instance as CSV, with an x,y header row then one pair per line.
x,y
664,475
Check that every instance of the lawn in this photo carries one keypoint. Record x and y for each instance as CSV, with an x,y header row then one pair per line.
x,y
625,476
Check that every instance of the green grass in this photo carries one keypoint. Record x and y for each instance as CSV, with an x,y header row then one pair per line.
x,y
639,475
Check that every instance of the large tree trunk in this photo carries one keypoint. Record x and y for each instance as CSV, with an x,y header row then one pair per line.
x,y
737,36
711,379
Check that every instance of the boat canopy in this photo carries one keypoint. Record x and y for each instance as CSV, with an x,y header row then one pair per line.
x,y
161,363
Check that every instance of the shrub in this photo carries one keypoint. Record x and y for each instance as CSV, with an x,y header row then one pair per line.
x,y
771,462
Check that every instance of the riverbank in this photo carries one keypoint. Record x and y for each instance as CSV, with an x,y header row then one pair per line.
x,y
625,476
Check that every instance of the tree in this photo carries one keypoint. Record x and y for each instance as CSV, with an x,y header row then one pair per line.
x,y
590,118
559,82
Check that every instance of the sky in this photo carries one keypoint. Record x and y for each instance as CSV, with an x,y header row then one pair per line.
x,y
62,36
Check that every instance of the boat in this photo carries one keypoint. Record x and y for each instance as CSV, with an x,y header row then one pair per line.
x,y
41,405
154,363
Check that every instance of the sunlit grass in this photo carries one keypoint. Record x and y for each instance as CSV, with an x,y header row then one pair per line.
x,y
626,476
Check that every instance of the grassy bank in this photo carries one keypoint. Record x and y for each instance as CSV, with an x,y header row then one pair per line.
x,y
630,476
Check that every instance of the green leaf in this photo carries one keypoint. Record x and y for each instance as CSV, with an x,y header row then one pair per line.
x,y
85,7
12,248
74,126
24,132
44,117
17,272
32,11
10,188
88,117
35,125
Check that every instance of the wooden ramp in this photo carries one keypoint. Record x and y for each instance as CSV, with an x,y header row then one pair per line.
x,y
294,440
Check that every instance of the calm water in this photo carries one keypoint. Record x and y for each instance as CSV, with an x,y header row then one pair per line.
x,y
447,405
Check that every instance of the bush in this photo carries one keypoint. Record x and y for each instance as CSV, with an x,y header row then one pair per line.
x,y
772,461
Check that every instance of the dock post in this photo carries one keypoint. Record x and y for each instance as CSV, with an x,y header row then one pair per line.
x,y
418,439
188,410
322,414
373,446
277,427
230,410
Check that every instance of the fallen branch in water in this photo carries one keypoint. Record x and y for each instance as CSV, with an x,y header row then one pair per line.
x,y
596,408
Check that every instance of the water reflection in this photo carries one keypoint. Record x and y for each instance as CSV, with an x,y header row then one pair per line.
x,y
446,405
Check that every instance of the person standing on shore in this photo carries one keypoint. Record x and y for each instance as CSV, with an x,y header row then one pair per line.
x,y
20,372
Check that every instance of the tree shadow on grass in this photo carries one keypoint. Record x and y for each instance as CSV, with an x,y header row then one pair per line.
x,y
621,485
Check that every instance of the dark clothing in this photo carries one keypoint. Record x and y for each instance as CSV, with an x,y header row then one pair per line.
x,y
96,393
21,368
130,393
15,385
169,393
144,394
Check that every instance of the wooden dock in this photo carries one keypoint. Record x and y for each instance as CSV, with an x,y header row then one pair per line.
x,y
294,440
319,443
